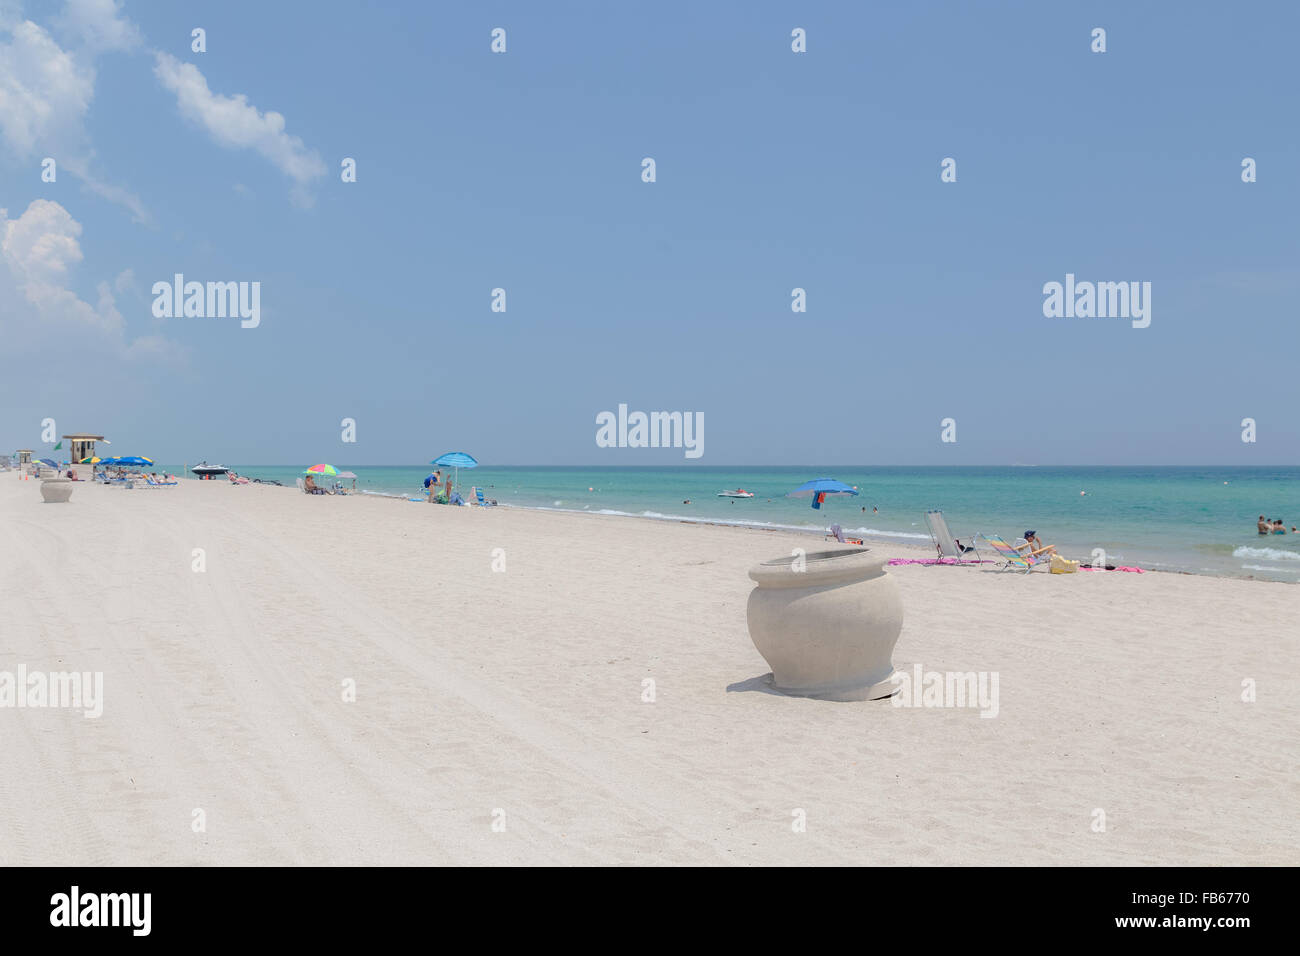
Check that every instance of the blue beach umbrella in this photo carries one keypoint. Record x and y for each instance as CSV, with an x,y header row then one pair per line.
x,y
821,488
49,461
133,460
457,460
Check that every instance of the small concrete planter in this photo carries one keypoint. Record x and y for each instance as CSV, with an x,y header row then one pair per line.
x,y
56,489
828,630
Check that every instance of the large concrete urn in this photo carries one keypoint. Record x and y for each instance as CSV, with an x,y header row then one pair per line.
x,y
827,623
56,489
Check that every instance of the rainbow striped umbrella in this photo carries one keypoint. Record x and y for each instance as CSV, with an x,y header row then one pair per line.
x,y
329,471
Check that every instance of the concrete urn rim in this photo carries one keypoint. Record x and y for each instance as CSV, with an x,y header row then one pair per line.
x,y
823,568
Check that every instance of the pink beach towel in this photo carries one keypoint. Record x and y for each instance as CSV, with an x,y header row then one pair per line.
x,y
935,561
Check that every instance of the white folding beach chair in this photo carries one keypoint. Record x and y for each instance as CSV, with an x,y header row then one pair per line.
x,y
943,539
836,532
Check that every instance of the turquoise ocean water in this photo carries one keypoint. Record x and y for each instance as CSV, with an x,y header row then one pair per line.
x,y
1198,519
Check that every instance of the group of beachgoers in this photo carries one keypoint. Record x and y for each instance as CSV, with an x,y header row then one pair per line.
x,y
438,490
121,474
1275,526
310,486
1032,547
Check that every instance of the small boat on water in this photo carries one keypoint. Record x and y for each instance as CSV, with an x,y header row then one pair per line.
x,y
204,470
738,493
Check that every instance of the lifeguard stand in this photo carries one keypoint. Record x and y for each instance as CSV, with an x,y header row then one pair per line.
x,y
83,446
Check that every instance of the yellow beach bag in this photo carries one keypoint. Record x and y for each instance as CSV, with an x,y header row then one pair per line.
x,y
1062,565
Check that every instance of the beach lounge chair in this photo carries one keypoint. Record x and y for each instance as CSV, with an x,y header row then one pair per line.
x,y
1021,560
485,502
944,543
836,532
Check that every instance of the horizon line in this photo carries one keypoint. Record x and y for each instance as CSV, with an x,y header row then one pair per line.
x,y
805,465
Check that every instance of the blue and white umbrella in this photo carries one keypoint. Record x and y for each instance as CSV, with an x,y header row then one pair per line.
x,y
820,489
457,460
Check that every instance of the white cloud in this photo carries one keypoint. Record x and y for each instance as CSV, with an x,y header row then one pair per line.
x,y
40,248
110,191
235,123
98,25
42,243
38,253
46,91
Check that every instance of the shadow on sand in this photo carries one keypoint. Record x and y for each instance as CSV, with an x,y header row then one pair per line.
x,y
761,684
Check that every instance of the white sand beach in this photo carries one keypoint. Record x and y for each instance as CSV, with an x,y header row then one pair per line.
x,y
521,692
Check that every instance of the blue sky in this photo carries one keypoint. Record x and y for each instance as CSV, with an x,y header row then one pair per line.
x,y
775,170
